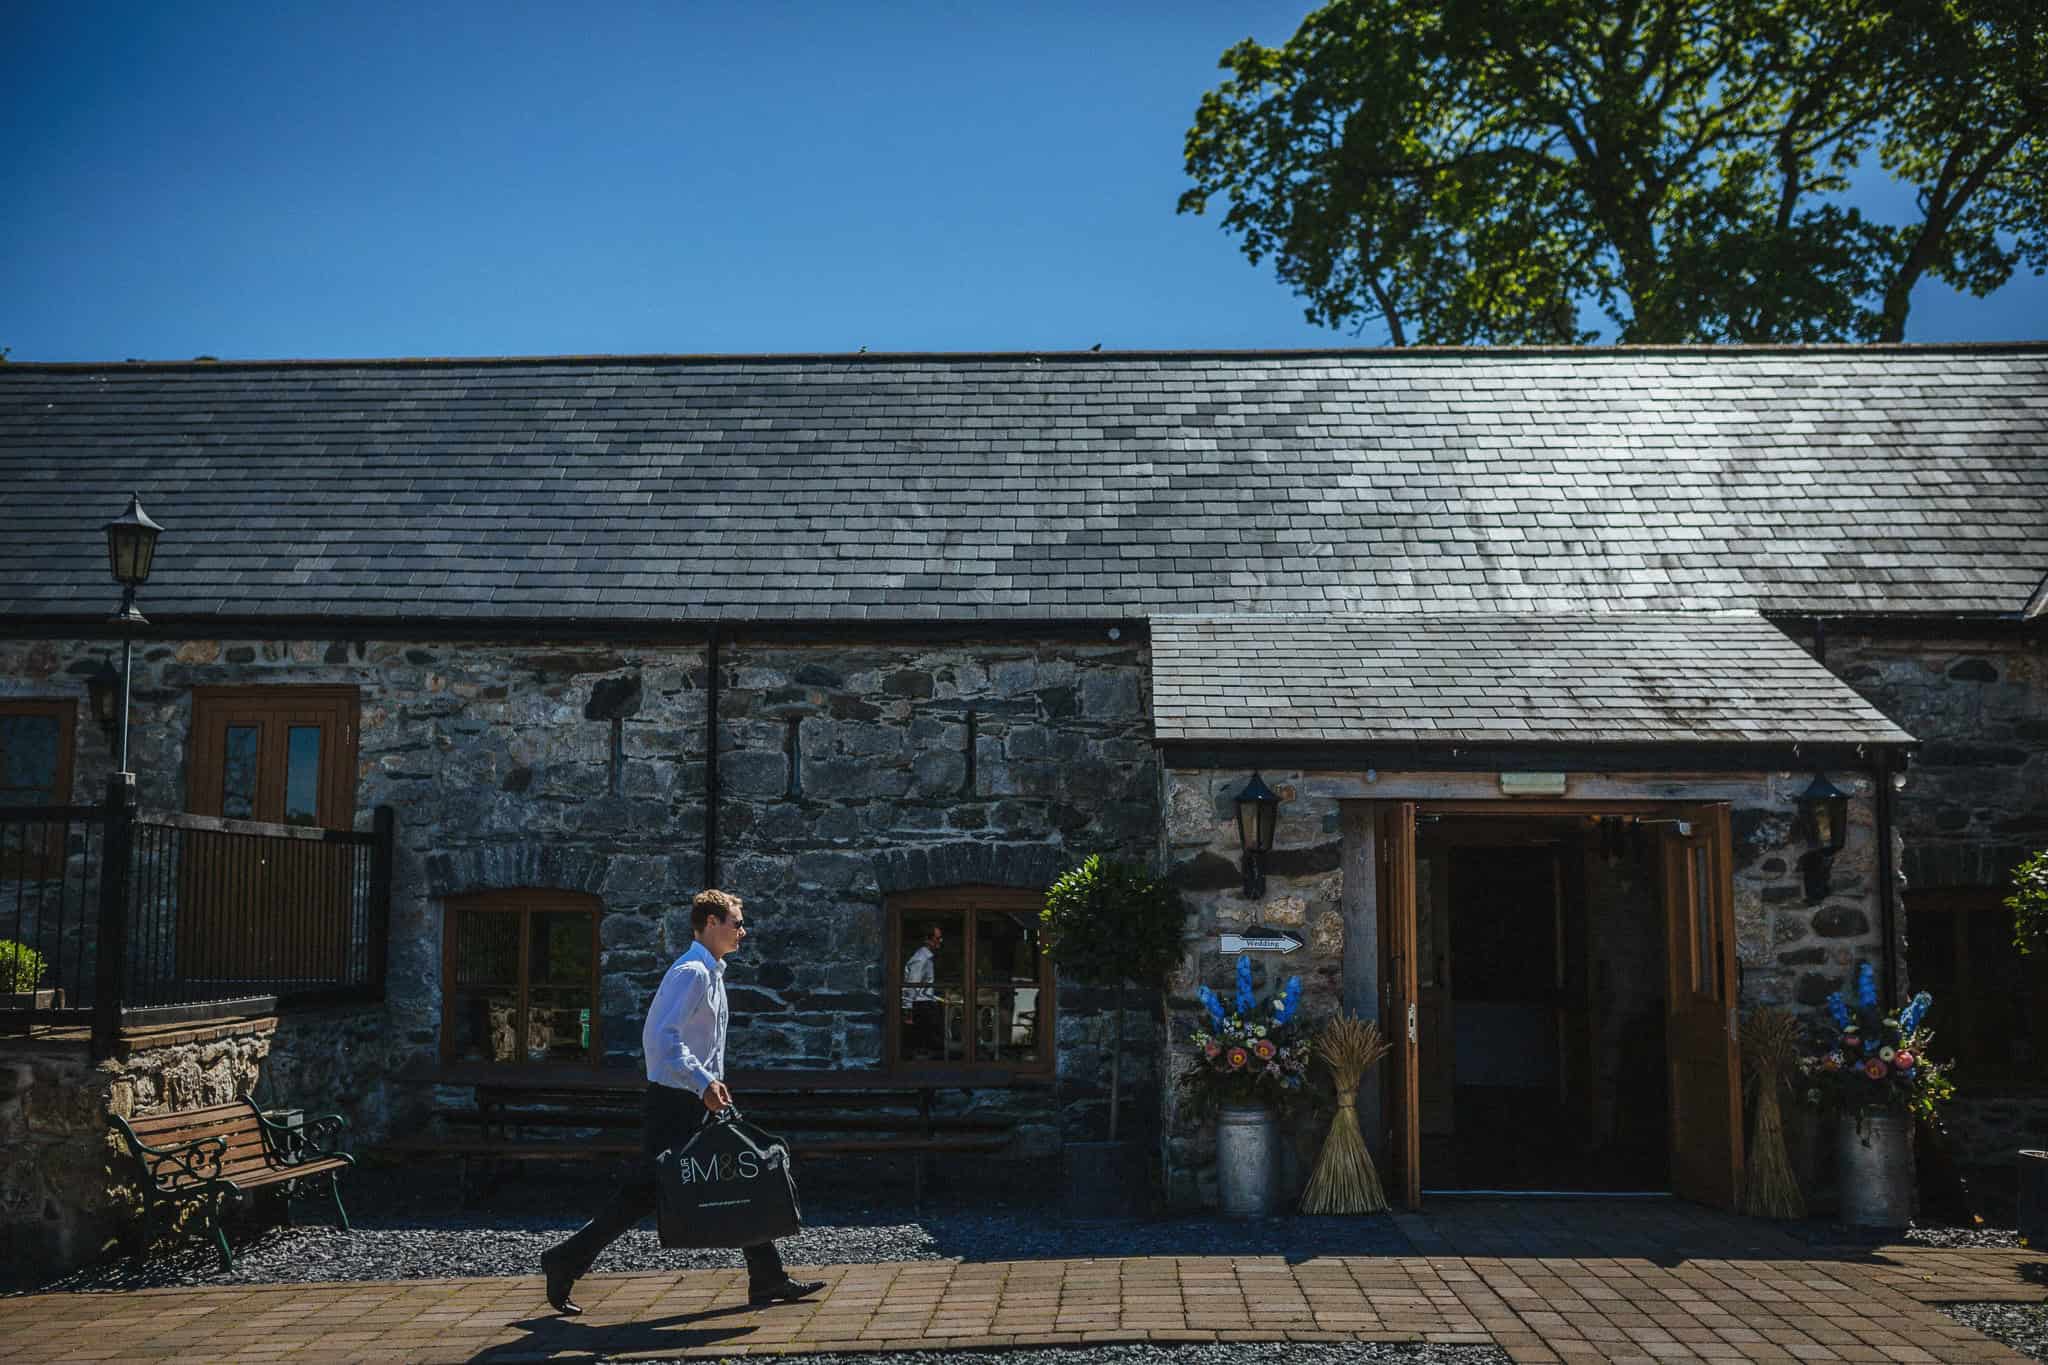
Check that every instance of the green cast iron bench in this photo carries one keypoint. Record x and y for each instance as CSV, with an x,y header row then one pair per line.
x,y
205,1155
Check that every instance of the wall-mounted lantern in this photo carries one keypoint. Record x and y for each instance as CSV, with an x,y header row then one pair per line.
x,y
1824,821
1258,810
104,688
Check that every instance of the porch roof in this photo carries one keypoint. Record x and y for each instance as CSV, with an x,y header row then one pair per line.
x,y
1587,679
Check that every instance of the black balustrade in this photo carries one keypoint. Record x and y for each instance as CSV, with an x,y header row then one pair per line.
x,y
112,918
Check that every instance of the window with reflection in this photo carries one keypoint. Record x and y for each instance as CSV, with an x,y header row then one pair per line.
x,y
285,755
519,978
35,770
968,983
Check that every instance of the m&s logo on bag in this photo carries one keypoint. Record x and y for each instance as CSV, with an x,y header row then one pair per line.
x,y
719,1167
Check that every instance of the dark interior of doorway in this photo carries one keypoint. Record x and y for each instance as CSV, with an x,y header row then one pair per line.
x,y
1542,959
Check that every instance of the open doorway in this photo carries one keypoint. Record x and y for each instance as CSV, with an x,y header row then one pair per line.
x,y
1563,978
1541,973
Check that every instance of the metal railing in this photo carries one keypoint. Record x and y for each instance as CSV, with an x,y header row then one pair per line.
x,y
135,919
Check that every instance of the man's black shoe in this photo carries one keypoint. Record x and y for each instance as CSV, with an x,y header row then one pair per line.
x,y
789,1291
561,1280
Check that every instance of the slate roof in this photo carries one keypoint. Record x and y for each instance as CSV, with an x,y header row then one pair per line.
x,y
1037,486
1620,677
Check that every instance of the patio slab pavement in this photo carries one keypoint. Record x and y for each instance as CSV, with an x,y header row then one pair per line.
x,y
1542,1284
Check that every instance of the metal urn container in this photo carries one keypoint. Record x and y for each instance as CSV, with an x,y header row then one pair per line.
x,y
2033,1200
1247,1161
1874,1170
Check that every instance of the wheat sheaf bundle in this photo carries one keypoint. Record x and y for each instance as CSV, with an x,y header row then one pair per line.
x,y
1770,1060
1344,1180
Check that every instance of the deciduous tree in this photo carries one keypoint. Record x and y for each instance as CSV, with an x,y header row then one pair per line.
x,y
1474,170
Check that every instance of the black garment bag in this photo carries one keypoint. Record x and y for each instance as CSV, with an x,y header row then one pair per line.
x,y
730,1185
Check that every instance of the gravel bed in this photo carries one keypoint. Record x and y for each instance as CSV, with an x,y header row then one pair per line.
x,y
1945,1236
2022,1326
409,1228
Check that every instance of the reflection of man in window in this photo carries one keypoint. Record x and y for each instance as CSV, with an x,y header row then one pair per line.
x,y
924,1016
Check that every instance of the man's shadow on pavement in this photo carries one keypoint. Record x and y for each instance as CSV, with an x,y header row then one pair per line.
x,y
558,1338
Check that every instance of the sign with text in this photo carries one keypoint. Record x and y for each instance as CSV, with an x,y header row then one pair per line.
x,y
1257,941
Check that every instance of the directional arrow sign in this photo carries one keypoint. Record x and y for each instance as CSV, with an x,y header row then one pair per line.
x,y
1265,941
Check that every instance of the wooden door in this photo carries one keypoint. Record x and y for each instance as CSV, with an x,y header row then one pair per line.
x,y
1403,1016
268,910
1701,1029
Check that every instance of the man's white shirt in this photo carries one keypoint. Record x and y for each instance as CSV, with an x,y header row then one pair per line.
x,y
683,1040
918,975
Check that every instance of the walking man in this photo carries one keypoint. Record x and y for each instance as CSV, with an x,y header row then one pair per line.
x,y
683,1043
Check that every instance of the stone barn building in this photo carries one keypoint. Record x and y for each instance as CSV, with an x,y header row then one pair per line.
x,y
1539,649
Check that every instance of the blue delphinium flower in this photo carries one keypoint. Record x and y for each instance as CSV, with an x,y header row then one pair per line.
x,y
1915,1012
1246,1001
1838,1009
1866,986
1214,1006
1289,1001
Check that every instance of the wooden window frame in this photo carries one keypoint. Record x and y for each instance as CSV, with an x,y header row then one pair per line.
x,y
64,710
522,901
211,717
964,901
1958,1000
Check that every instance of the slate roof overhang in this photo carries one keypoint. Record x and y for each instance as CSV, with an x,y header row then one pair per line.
x,y
1637,683
664,492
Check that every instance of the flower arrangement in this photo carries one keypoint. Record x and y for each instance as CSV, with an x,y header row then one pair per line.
x,y
1248,1055
1872,1061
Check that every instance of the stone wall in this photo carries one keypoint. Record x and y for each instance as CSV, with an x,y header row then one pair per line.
x,y
1974,805
848,771
1791,953
68,1190
1976,796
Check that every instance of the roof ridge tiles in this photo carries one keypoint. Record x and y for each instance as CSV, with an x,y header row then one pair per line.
x,y
711,358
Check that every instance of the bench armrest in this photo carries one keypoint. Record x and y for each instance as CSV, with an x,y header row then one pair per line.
x,y
200,1160
321,1136
315,1137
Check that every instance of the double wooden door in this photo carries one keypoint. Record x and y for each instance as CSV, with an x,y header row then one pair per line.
x,y
1701,995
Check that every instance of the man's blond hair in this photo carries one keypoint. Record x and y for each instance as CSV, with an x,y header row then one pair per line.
x,y
706,904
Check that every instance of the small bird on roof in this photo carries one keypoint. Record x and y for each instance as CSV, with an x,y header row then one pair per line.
x,y
1096,347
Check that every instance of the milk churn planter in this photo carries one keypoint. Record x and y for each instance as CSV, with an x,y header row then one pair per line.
x,y
1248,1062
1872,1072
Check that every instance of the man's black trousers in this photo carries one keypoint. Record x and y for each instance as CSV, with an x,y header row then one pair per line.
x,y
670,1119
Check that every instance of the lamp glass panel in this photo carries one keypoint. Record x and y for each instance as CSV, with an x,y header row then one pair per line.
x,y
1269,816
130,552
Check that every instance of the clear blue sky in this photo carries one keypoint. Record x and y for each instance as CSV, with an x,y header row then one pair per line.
x,y
370,179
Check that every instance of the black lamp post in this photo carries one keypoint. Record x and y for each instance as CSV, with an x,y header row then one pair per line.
x,y
1258,809
131,548
1824,821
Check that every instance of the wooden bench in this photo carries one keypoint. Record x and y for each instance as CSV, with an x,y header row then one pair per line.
x,y
596,1114
208,1154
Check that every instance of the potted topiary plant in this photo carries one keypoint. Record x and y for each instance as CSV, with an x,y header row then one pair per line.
x,y
1109,924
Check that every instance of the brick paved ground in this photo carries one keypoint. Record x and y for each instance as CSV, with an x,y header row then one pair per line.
x,y
1699,1287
